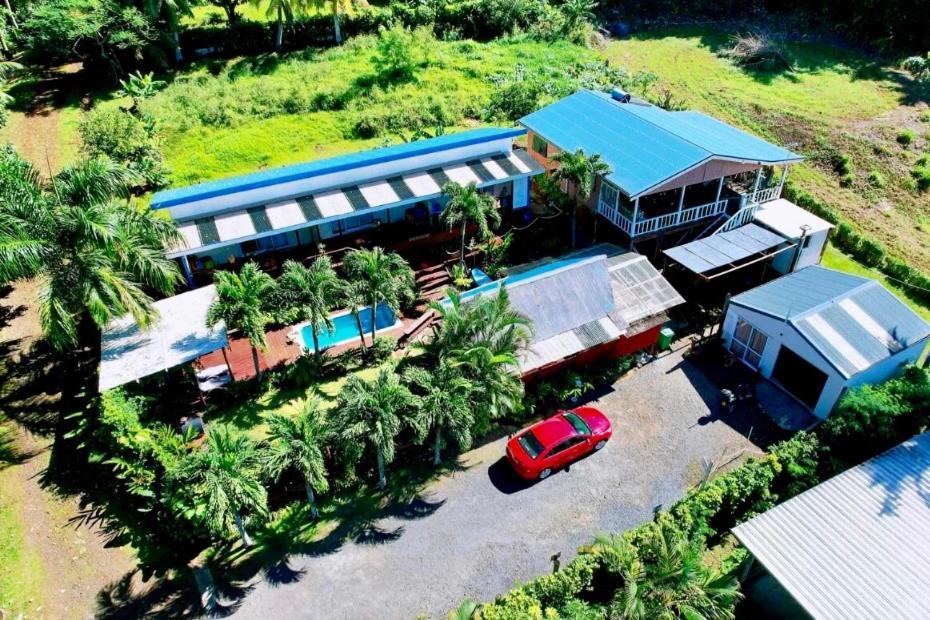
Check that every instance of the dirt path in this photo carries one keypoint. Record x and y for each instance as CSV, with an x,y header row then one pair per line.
x,y
73,564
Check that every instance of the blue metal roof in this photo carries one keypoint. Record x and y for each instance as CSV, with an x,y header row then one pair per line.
x,y
644,144
853,322
285,174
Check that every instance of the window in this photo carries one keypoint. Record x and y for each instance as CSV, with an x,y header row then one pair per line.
x,y
280,240
577,423
352,223
748,343
529,443
540,146
567,444
609,196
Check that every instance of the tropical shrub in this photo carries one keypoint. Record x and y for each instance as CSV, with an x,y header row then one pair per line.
x,y
906,137
758,51
128,139
399,52
382,348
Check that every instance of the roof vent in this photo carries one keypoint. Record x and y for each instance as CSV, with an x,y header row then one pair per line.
x,y
618,94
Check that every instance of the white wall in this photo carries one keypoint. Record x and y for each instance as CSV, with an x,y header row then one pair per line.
x,y
809,255
293,189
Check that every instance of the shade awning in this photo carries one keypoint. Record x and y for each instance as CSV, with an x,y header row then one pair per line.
x,y
179,335
348,201
723,252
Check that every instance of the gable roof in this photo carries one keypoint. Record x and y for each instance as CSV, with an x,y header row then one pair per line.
x,y
644,144
296,172
854,322
854,546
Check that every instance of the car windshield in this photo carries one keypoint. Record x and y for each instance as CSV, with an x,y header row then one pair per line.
x,y
580,426
530,444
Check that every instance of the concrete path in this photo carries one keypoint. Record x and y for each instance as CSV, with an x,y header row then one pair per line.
x,y
475,532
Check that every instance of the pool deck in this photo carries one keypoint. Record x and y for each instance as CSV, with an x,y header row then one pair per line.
x,y
280,350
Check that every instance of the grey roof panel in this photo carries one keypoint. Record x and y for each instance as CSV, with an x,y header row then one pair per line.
x,y
855,546
721,249
798,292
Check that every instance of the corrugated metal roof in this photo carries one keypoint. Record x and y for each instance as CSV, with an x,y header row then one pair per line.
x,y
128,353
855,546
854,322
703,256
639,289
643,144
285,174
377,194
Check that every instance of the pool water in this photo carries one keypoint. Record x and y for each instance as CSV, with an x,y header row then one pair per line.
x,y
345,327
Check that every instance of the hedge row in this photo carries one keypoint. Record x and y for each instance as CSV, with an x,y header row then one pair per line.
x,y
707,512
864,249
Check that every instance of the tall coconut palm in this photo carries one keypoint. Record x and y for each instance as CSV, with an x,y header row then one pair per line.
x,y
315,290
664,577
355,298
296,442
370,415
580,171
385,277
282,11
445,404
337,7
222,482
239,304
466,205
94,254
171,11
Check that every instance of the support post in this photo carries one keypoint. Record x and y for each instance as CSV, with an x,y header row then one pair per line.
x,y
635,215
186,268
681,203
755,185
781,182
719,190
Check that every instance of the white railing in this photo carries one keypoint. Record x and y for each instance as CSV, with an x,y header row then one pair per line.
x,y
614,216
765,195
743,216
685,216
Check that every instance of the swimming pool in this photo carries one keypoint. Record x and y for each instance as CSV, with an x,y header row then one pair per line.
x,y
346,329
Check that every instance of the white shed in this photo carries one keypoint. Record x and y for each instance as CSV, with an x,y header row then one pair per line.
x,y
792,222
817,332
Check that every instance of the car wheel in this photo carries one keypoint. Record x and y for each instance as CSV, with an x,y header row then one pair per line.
x,y
600,444
545,473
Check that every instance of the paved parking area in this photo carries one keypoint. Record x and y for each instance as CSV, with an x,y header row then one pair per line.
x,y
473,533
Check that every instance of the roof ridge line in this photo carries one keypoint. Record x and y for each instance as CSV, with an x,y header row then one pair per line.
x,y
659,127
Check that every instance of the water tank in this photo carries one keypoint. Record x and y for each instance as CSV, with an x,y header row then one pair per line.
x,y
620,95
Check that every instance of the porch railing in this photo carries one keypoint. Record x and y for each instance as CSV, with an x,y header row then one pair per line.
x,y
743,216
661,222
765,195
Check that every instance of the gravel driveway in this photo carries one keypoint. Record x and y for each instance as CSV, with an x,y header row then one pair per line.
x,y
473,533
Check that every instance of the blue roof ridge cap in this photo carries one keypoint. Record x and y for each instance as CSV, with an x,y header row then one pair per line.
x,y
294,172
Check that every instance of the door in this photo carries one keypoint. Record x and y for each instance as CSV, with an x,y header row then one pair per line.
x,y
799,377
567,451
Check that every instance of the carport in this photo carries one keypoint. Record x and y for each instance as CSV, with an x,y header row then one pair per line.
x,y
726,252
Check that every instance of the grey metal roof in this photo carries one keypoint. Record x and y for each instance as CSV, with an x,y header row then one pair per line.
x,y
714,252
857,545
128,353
854,322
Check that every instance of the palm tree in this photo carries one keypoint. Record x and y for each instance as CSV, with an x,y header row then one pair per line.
x,y
355,299
466,206
171,11
296,442
281,11
370,414
239,300
336,5
94,254
577,13
664,577
314,290
444,403
580,171
385,277
222,481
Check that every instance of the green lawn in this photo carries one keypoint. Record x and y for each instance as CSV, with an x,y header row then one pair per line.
x,y
835,259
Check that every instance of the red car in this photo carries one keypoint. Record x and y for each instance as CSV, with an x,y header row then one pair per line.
x,y
553,443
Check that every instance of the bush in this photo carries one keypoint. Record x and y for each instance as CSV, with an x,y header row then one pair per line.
x,y
382,348
129,139
513,100
399,52
906,137
921,176
877,179
759,52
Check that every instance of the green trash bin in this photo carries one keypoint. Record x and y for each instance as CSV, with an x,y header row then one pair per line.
x,y
665,338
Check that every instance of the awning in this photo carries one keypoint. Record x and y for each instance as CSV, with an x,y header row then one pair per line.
x,y
128,353
724,252
342,202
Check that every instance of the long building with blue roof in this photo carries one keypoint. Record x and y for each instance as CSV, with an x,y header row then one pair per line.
x,y
226,221
667,169
818,332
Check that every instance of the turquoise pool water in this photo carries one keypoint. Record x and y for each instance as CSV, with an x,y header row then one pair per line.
x,y
345,328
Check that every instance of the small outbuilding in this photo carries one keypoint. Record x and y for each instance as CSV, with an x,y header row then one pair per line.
x,y
855,546
818,332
